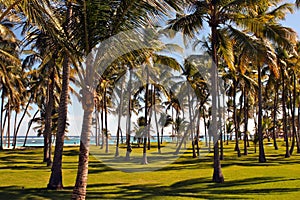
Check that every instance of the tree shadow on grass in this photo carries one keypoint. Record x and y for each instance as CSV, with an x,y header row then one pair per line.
x,y
192,188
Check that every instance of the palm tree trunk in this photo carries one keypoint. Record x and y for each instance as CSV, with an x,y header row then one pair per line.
x,y
274,119
262,157
162,134
198,132
79,191
205,129
28,129
8,124
105,121
246,120
146,135
217,174
298,131
102,127
15,129
22,118
287,154
48,119
96,127
3,127
156,122
293,110
220,125
55,181
119,123
235,120
128,134
1,120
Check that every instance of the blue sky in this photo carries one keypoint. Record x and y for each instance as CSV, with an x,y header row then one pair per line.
x,y
292,20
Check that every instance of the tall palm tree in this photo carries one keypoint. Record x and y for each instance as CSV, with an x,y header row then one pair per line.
x,y
118,16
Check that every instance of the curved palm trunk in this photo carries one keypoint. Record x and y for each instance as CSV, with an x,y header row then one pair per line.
x,y
55,181
262,157
4,123
28,129
20,122
79,191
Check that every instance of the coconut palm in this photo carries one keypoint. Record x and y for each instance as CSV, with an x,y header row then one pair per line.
x,y
119,16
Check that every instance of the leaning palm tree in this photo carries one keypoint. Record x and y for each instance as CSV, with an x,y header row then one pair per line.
x,y
115,16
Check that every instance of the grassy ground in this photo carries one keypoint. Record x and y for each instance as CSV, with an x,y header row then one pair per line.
x,y
24,176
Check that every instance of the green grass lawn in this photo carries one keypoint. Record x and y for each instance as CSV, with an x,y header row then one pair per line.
x,y
24,176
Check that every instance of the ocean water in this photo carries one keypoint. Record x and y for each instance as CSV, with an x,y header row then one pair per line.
x,y
35,141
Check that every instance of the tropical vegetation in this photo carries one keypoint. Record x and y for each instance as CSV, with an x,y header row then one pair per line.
x,y
126,63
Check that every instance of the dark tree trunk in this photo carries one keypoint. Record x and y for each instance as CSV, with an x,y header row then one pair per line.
x,y
287,154
245,120
298,132
4,123
8,124
235,120
198,132
262,157
48,120
274,119
293,110
146,134
205,129
15,129
1,120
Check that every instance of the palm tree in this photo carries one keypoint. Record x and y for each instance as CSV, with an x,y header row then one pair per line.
x,y
119,16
